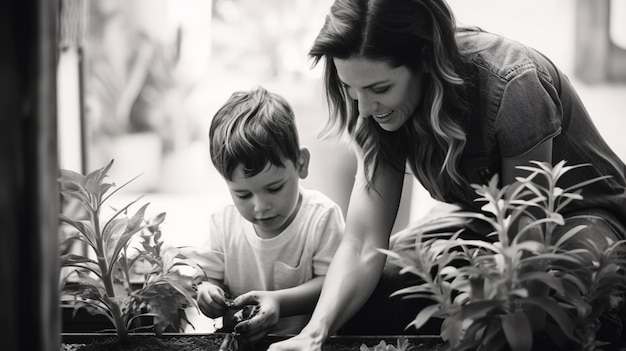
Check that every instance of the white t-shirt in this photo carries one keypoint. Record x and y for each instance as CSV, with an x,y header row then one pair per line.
x,y
246,262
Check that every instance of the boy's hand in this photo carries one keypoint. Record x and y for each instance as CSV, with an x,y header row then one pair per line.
x,y
212,300
259,315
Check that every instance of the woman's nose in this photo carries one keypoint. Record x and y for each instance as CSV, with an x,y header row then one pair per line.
x,y
366,106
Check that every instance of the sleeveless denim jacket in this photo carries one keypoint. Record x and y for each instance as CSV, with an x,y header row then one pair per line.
x,y
523,99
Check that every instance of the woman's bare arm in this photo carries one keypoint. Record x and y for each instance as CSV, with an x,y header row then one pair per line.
x,y
541,153
357,264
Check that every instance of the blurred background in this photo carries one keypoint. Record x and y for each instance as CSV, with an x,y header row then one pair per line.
x,y
139,81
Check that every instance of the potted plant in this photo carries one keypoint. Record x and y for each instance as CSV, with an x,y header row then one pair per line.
x,y
525,290
126,273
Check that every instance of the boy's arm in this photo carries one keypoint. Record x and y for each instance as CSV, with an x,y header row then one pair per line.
x,y
294,301
267,307
300,299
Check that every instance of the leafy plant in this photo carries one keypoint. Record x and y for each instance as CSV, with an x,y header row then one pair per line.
x,y
530,280
117,247
402,345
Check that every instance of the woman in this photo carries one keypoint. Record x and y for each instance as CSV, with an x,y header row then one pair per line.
x,y
458,105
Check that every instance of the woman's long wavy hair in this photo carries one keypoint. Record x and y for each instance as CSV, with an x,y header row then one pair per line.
x,y
418,34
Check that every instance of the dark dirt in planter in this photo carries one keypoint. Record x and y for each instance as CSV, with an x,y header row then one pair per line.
x,y
210,342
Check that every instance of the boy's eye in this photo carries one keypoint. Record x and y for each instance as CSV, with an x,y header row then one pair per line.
x,y
275,190
243,196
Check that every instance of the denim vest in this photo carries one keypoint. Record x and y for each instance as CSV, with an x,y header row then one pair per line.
x,y
523,100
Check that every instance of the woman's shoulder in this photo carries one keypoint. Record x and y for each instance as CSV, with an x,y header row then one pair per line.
x,y
494,53
473,40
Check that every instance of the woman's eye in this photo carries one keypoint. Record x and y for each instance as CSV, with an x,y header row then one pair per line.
x,y
381,90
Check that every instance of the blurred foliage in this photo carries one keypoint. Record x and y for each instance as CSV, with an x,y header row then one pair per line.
x,y
531,286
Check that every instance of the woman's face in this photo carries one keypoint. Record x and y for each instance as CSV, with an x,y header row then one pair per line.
x,y
389,95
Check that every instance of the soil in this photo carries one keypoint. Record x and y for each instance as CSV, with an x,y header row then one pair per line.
x,y
210,342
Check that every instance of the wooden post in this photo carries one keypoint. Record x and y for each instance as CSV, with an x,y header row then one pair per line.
x,y
597,58
592,40
29,199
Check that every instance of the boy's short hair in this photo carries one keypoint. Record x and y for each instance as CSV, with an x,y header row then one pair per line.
x,y
253,129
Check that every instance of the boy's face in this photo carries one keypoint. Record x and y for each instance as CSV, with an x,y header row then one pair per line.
x,y
269,199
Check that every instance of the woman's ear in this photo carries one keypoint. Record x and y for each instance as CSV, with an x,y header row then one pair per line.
x,y
303,163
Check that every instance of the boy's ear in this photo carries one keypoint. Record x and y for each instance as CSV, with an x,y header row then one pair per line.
x,y
303,163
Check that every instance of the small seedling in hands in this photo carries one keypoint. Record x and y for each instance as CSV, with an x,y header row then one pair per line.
x,y
229,302
230,342
247,312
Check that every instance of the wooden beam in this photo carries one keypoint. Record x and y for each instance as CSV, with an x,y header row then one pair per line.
x,y
29,198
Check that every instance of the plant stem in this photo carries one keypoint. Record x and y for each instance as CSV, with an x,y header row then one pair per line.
x,y
120,326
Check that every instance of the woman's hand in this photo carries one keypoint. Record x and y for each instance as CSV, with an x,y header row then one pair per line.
x,y
259,315
300,342
212,300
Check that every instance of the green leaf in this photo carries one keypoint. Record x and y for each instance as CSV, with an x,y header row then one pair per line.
x,y
452,329
479,243
175,282
83,227
80,196
113,229
545,278
82,263
92,307
479,308
118,213
424,315
517,330
156,221
570,233
549,257
68,176
555,311
137,220
493,337
85,280
585,183
123,241
118,189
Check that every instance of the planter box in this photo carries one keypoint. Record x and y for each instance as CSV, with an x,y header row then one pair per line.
x,y
83,322
210,342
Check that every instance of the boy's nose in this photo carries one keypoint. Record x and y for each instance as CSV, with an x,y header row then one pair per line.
x,y
261,205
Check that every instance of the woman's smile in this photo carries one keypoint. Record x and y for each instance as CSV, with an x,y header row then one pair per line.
x,y
383,117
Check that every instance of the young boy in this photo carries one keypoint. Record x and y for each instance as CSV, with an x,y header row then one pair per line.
x,y
271,248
